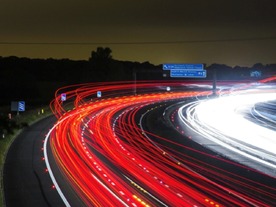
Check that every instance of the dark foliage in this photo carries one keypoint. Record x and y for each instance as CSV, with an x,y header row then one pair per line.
x,y
35,80
7,126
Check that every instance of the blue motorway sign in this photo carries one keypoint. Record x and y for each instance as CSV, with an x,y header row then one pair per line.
x,y
188,73
99,94
21,106
182,66
63,97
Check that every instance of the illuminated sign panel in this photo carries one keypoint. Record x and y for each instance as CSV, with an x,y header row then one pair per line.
x,y
181,66
188,73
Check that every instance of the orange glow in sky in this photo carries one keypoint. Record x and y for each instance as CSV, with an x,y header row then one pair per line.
x,y
227,32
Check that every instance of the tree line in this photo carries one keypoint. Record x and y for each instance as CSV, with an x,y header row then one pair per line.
x,y
37,79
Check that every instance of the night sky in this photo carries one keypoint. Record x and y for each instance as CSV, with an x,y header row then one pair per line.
x,y
232,32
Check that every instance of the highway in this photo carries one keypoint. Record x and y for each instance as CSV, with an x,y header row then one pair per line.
x,y
137,145
24,180
234,123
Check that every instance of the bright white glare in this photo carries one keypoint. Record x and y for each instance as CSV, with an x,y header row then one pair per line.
x,y
221,120
223,115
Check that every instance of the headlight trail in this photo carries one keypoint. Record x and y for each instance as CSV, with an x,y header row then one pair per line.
x,y
109,159
220,120
225,121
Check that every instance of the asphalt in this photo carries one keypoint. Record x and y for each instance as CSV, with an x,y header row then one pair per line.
x,y
153,122
26,183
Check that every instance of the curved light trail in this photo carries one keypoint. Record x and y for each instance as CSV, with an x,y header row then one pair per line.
x,y
225,121
109,159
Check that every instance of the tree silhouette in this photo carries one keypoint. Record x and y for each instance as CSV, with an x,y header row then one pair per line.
x,y
101,55
100,65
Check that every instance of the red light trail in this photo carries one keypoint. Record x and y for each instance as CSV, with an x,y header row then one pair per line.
x,y
102,149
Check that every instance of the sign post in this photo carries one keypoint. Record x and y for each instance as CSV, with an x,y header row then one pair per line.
x,y
18,106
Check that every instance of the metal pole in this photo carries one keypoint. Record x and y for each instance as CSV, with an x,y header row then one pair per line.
x,y
214,82
135,81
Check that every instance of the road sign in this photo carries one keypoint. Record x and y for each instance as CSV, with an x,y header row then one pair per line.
x,y
14,106
99,94
188,73
63,97
21,106
182,66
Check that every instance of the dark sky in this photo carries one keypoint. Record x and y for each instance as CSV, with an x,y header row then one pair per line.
x,y
233,32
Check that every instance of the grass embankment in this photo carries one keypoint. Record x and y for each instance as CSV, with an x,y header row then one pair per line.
x,y
15,125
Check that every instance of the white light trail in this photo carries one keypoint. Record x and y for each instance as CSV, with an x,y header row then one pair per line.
x,y
65,201
221,121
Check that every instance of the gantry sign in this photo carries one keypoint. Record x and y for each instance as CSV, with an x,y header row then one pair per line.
x,y
180,70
